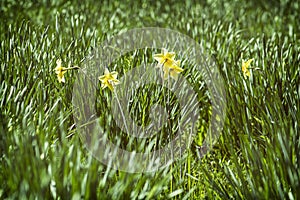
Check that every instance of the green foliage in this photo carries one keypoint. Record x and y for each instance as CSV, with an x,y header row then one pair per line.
x,y
257,155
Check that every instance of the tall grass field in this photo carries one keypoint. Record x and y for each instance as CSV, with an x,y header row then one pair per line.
x,y
43,152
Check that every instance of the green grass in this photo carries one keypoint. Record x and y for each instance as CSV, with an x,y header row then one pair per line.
x,y
257,155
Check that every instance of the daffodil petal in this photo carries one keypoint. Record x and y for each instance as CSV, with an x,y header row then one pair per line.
x,y
176,68
58,62
166,75
159,58
110,87
170,55
114,75
109,79
174,74
103,85
102,77
177,62
106,71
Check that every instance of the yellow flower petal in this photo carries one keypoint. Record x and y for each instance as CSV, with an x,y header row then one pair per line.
x,y
245,68
174,74
106,71
165,58
173,70
159,58
60,71
58,62
169,65
109,79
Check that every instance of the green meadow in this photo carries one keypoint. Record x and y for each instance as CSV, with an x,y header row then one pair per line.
x,y
42,148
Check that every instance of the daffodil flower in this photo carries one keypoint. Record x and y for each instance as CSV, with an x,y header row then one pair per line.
x,y
60,71
165,58
109,79
245,68
173,70
170,66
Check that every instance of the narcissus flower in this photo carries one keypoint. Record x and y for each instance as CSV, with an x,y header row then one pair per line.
x,y
173,70
165,58
245,67
168,63
109,79
60,71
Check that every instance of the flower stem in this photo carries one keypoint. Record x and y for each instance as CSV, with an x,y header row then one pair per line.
x,y
75,67
122,113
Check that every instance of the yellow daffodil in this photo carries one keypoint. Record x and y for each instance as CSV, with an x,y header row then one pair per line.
x,y
165,58
245,68
170,66
173,70
109,79
60,71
